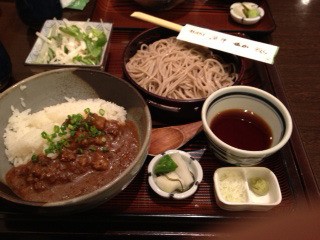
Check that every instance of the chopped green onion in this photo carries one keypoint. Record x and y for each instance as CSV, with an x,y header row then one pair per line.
x,y
48,150
92,149
69,128
104,149
66,50
101,112
56,129
81,136
44,135
60,134
34,158
87,110
53,135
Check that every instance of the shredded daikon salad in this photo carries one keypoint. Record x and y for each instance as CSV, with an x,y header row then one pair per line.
x,y
70,43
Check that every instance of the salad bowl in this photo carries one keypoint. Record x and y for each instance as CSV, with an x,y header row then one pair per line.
x,y
63,43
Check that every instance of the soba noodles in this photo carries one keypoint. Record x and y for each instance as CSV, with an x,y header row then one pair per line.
x,y
180,70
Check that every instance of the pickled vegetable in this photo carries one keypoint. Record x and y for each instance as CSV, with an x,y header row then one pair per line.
x,y
165,165
169,182
173,174
183,171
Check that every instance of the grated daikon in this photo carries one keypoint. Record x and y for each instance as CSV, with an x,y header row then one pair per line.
x,y
232,186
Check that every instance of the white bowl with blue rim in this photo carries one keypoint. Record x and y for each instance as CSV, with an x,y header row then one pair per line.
x,y
265,105
194,167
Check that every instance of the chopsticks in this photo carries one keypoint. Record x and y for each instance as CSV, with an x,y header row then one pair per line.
x,y
158,21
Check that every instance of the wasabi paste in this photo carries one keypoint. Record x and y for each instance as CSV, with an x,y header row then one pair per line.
x,y
250,12
259,186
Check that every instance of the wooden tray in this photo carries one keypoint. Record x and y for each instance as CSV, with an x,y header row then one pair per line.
x,y
213,14
139,212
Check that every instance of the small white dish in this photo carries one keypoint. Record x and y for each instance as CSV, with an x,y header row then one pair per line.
x,y
251,201
40,46
238,15
194,167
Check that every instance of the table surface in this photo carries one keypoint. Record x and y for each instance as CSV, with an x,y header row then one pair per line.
x,y
297,63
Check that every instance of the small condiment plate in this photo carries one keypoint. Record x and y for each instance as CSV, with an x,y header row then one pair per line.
x,y
238,16
194,167
252,201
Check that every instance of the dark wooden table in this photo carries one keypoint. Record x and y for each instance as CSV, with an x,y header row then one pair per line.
x,y
294,27
298,65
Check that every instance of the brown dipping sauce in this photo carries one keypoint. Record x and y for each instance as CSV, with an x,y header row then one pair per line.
x,y
74,173
242,129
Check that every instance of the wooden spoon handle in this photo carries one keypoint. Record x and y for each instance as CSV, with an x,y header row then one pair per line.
x,y
190,130
172,137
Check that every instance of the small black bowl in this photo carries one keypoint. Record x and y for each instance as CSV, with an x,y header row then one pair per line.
x,y
169,108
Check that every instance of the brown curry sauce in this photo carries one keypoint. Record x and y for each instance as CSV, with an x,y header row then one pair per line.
x,y
73,173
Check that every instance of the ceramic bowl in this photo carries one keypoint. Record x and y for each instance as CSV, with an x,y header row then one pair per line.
x,y
40,47
164,107
252,201
238,16
260,102
194,167
50,88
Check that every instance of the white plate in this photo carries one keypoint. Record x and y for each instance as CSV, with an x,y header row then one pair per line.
x,y
40,47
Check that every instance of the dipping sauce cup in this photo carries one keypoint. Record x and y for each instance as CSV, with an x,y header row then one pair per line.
x,y
263,105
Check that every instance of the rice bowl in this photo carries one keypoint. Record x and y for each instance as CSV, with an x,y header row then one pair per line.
x,y
51,88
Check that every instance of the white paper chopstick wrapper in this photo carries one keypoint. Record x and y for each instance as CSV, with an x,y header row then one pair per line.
x,y
228,43
216,40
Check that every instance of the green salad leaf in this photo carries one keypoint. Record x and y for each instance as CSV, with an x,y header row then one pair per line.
x,y
73,31
94,47
75,44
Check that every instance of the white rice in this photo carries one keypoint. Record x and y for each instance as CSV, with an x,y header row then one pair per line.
x,y
22,102
22,136
23,87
